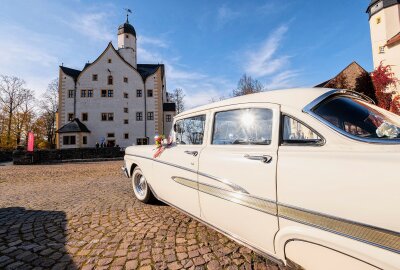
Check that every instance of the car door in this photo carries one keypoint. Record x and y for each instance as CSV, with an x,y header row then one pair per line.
x,y
176,168
237,173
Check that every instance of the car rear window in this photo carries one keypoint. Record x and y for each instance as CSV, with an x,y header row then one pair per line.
x,y
359,118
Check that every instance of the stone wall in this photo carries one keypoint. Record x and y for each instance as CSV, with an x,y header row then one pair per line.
x,y
5,155
21,157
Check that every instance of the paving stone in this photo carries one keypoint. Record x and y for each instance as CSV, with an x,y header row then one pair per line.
x,y
93,221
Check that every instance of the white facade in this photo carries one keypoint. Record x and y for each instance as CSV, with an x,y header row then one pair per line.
x,y
384,23
116,86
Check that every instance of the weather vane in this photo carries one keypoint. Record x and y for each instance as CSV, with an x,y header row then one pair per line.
x,y
127,13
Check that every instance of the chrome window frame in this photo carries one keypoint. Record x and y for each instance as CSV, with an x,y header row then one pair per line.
x,y
336,92
282,142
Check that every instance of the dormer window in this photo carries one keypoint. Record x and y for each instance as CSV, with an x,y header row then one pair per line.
x,y
110,80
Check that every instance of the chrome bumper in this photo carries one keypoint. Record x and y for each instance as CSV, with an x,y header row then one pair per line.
x,y
125,170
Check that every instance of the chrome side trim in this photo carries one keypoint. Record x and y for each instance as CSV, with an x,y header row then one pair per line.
x,y
378,237
186,182
255,203
233,186
262,205
308,109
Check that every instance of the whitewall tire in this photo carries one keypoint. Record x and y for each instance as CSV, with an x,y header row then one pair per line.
x,y
140,186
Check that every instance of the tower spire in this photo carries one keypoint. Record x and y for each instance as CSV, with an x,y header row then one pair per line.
x,y
127,14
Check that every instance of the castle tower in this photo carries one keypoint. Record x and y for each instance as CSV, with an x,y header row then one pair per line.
x,y
384,21
127,42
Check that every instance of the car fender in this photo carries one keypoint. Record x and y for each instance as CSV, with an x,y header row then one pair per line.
x,y
346,247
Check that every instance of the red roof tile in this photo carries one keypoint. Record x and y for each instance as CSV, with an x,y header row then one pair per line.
x,y
393,40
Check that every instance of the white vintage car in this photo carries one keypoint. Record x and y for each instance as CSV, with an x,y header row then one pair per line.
x,y
308,177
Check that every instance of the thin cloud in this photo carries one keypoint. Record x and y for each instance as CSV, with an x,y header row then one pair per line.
x,y
283,79
93,25
225,14
32,60
264,61
157,42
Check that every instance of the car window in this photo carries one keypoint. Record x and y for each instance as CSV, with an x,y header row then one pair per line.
x,y
190,130
295,132
243,126
359,118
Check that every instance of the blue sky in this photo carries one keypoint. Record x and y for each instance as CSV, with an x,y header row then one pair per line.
x,y
205,45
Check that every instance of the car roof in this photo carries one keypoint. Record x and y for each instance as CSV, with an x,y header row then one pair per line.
x,y
296,98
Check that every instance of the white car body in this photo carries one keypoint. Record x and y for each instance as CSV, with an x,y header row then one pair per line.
x,y
327,205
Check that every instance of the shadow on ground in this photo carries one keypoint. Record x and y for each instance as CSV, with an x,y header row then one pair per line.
x,y
33,238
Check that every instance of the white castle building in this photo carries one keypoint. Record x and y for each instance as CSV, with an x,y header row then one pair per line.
x,y
113,100
384,21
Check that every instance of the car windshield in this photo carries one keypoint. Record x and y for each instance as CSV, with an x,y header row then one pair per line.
x,y
359,118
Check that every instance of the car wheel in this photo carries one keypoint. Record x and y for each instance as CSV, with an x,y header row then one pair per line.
x,y
140,187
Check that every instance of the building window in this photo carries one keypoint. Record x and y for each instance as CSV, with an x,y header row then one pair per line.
x,y
139,93
139,116
126,36
141,141
150,93
381,49
70,93
378,20
126,121
89,93
70,116
103,93
110,80
110,135
125,79
126,95
83,93
69,140
107,116
109,60
168,118
150,115
125,110
84,140
126,136
84,116
110,93
94,77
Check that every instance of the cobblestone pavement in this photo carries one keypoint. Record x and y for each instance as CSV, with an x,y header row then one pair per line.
x,y
75,216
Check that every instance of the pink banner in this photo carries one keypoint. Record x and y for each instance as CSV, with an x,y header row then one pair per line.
x,y
31,140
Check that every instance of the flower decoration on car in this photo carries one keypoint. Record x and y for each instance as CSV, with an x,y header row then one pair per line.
x,y
387,130
161,145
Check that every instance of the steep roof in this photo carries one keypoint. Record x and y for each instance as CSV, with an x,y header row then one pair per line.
x,y
169,107
74,73
351,72
73,127
393,40
146,70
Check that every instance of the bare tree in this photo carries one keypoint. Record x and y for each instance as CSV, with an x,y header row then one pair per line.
x,y
247,85
178,96
12,95
49,106
24,118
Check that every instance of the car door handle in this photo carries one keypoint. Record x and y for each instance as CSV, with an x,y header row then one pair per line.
x,y
193,153
262,158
